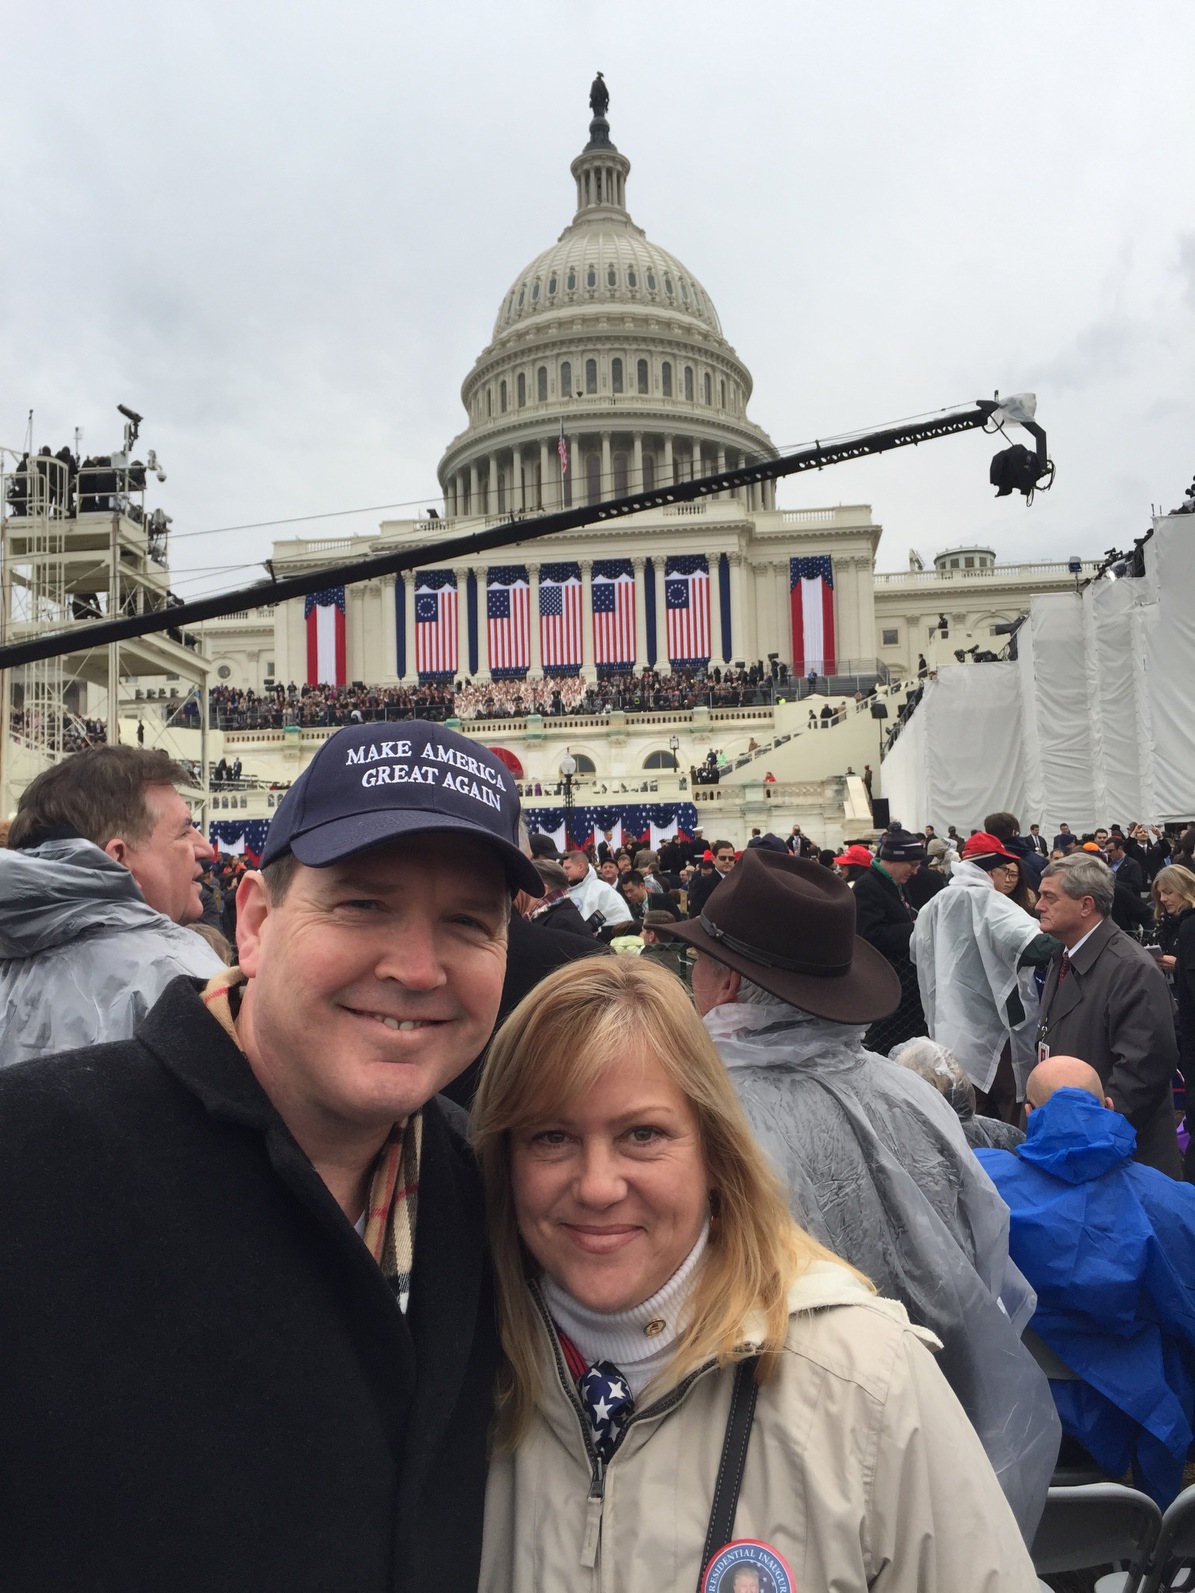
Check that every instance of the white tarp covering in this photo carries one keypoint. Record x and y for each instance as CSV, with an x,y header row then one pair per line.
x,y
1092,725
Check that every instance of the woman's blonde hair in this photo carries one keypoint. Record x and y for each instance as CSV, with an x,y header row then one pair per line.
x,y
1173,878
554,1046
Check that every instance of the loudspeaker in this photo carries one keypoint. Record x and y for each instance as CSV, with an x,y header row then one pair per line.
x,y
879,813
879,710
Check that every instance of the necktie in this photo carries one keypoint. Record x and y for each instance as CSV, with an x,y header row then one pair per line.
x,y
1066,966
608,1403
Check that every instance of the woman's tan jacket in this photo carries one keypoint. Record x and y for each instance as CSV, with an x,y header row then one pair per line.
x,y
862,1472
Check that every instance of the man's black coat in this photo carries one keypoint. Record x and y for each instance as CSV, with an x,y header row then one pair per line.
x,y
207,1381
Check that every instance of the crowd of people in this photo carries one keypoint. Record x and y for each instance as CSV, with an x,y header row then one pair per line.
x,y
428,1197
72,732
242,708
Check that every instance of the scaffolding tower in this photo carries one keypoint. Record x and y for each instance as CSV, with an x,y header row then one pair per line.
x,y
77,544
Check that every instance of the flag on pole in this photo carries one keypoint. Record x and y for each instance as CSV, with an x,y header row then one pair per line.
x,y
562,450
613,614
560,617
811,584
435,624
507,611
324,613
687,601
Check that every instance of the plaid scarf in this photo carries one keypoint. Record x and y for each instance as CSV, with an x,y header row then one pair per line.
x,y
394,1183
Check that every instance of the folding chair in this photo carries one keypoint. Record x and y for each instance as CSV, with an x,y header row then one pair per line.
x,y
1176,1542
1096,1525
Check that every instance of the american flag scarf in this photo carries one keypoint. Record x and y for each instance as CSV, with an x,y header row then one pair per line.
x,y
394,1183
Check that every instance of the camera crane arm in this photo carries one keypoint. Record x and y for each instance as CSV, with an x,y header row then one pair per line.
x,y
280,588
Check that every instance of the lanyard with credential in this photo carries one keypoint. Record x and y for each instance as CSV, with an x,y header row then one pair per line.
x,y
730,1467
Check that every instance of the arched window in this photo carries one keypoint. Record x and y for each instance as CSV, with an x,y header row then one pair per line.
x,y
649,472
668,285
502,492
651,282
593,478
489,401
684,290
566,379
620,476
541,384
591,376
641,375
659,760
585,765
572,282
708,388
666,378
552,285
632,277
522,390
591,277
689,382
502,395
522,295
535,292
611,277
616,376
722,390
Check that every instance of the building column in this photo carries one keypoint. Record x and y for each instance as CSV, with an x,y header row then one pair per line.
x,y
516,470
576,469
695,465
475,490
355,629
491,484
545,460
640,615
721,467
389,669
462,621
409,608
717,641
587,665
607,488
536,665
483,630
637,464
669,478
738,631
657,565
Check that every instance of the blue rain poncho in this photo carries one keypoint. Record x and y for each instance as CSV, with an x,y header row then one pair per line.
x,y
878,1170
83,956
1109,1245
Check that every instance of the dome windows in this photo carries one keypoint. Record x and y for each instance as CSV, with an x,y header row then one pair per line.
x,y
684,290
666,378
651,282
611,277
522,295
620,476
571,282
502,395
641,376
667,284
591,277
566,379
591,376
541,384
722,392
689,383
535,292
708,388
552,286
649,472
616,376
632,277
521,390
489,402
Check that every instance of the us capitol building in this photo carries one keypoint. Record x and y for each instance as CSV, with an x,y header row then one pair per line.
x,y
607,353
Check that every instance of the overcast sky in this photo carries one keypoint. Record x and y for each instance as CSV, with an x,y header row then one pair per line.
x,y
282,232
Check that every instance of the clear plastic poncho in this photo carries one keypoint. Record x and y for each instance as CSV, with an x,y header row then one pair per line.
x,y
877,1169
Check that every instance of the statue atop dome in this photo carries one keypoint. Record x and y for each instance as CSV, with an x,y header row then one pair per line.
x,y
599,104
599,96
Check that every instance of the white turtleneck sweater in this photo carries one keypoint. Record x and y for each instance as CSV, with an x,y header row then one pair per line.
x,y
621,1337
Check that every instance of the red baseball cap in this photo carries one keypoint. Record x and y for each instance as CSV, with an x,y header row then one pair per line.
x,y
983,845
858,855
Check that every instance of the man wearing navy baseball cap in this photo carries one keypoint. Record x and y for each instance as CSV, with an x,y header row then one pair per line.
x,y
245,1308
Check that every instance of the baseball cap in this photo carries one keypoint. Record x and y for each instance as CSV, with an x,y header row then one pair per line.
x,y
373,783
981,845
858,856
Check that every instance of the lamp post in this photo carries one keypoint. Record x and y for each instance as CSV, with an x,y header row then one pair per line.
x,y
568,768
674,748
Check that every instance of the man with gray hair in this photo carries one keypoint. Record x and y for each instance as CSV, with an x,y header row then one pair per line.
x,y
1105,1001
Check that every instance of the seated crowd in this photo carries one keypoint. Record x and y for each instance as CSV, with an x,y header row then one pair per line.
x,y
456,1201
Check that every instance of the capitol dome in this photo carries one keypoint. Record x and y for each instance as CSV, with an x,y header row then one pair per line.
x,y
607,340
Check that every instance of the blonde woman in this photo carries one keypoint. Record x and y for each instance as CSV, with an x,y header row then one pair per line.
x,y
651,1286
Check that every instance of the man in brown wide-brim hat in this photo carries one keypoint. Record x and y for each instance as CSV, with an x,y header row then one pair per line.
x,y
874,1159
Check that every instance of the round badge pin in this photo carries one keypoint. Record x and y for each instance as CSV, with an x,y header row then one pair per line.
x,y
748,1566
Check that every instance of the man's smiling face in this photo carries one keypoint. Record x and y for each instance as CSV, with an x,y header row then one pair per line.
x,y
373,982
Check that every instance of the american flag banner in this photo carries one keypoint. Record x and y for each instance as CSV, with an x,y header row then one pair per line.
x,y
613,614
240,837
687,600
435,624
508,629
811,584
324,613
560,618
562,450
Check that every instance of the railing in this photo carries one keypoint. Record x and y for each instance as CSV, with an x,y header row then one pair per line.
x,y
991,572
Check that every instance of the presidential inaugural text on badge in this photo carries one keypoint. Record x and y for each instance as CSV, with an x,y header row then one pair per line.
x,y
428,772
748,1566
